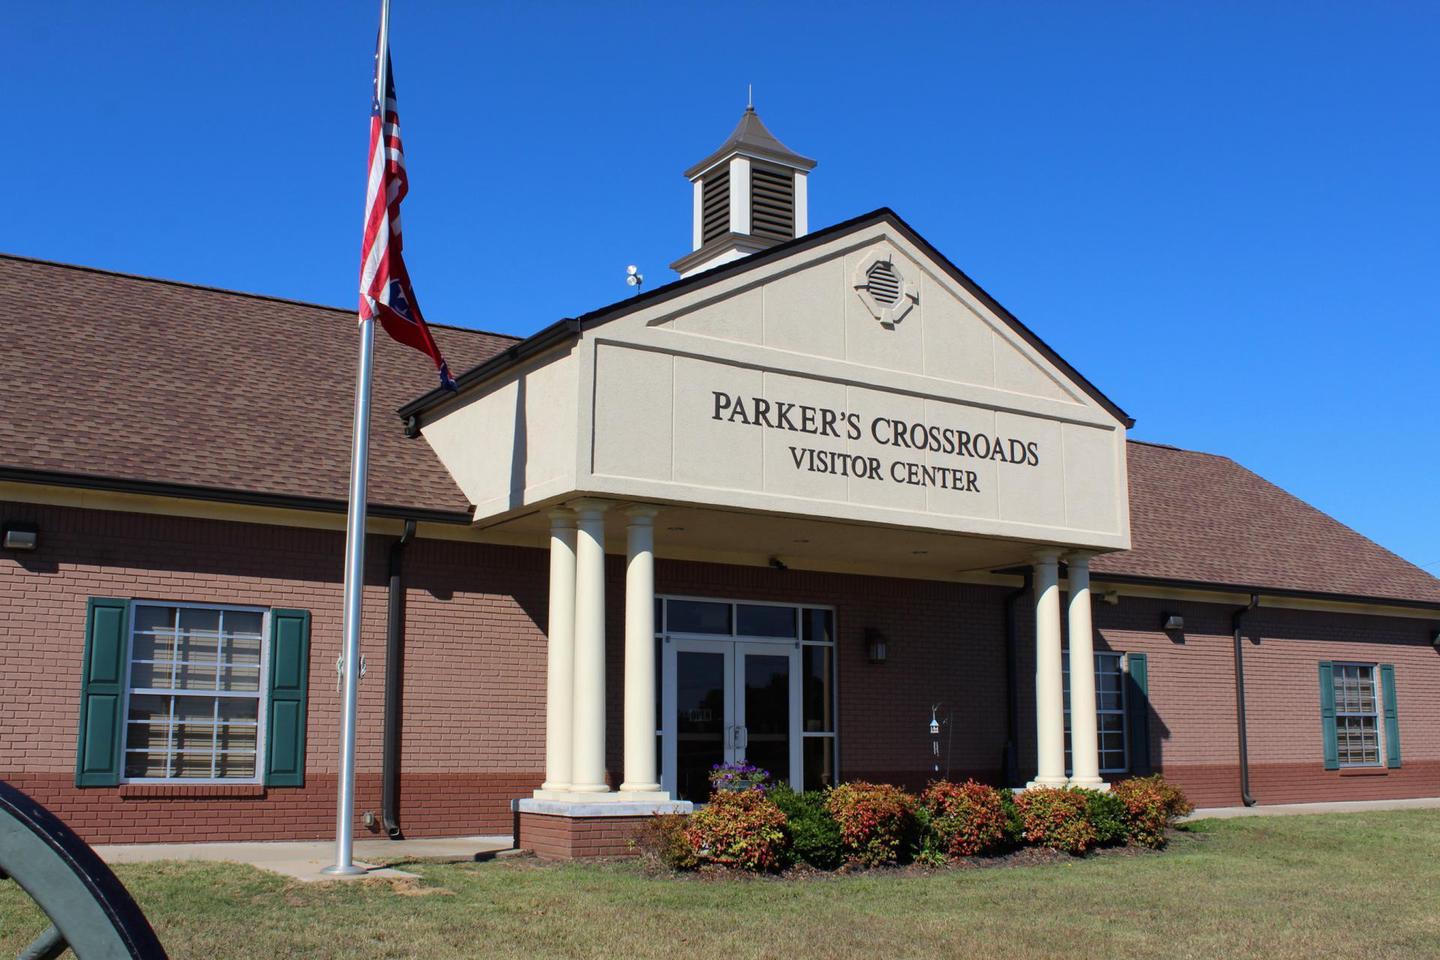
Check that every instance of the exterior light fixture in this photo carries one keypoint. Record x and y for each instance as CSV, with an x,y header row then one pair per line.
x,y
21,536
1435,640
934,721
1111,597
875,645
1174,623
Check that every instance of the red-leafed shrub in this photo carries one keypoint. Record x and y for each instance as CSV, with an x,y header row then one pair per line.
x,y
740,829
1056,818
967,818
877,821
1151,806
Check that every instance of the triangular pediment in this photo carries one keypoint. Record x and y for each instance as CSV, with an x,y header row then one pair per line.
x,y
878,298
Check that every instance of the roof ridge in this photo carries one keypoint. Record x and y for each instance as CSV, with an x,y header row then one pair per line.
x,y
105,271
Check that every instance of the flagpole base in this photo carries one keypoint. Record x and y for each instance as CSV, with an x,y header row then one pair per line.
x,y
348,870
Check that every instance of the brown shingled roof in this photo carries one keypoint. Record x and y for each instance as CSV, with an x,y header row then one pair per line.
x,y
1204,518
125,378
130,378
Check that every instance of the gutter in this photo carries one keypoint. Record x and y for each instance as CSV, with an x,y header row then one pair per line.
x,y
181,491
1210,586
1011,760
394,677
1237,621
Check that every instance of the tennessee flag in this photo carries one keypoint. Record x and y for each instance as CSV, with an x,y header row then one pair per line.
x,y
385,291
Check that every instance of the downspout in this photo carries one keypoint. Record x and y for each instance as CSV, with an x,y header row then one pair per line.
x,y
1012,701
1238,622
394,677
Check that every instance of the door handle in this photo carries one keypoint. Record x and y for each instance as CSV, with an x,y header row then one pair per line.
x,y
742,738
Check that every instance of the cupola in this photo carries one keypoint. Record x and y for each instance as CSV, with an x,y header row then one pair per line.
x,y
749,194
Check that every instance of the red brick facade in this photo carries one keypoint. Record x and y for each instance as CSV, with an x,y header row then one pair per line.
x,y
474,678
566,838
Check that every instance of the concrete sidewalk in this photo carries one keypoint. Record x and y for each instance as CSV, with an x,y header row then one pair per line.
x,y
1292,809
303,860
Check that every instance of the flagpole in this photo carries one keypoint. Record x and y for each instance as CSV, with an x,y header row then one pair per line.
x,y
355,538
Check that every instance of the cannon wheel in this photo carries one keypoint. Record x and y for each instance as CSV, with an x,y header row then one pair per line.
x,y
90,910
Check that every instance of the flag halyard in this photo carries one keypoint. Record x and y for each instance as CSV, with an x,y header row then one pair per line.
x,y
386,294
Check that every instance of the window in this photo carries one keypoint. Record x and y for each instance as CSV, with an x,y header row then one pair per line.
x,y
197,677
1109,711
1357,715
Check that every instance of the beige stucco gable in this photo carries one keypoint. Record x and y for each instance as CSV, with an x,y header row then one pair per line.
x,y
793,388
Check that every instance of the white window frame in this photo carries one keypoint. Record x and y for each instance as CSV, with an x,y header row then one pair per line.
x,y
1123,669
662,634
1378,715
262,695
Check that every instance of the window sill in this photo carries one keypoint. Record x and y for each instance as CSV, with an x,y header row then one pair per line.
x,y
190,791
1364,772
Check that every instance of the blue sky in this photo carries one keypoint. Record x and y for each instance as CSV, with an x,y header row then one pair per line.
x,y
1224,214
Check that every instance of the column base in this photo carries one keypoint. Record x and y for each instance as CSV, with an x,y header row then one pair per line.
x,y
1051,782
1097,784
631,789
608,799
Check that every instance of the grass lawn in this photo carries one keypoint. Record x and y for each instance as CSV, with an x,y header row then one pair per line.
x,y
1343,885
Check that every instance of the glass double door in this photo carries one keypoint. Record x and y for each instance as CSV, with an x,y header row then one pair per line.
x,y
728,701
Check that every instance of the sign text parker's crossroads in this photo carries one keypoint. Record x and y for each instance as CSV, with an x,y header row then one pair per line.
x,y
886,431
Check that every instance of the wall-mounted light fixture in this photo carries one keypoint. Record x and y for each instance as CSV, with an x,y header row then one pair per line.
x,y
1435,640
777,564
875,645
1111,597
20,536
1174,623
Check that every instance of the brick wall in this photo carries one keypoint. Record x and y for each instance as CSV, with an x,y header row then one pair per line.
x,y
1193,729
567,838
473,731
473,726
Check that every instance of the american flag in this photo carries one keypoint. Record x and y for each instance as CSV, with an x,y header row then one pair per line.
x,y
385,291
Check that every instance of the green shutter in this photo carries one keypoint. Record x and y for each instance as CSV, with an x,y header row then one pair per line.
x,y
1392,718
1327,714
99,753
1137,710
289,681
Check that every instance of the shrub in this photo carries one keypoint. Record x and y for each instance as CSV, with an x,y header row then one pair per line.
x,y
1106,813
877,821
814,834
1014,823
664,838
1056,818
741,829
1151,806
966,819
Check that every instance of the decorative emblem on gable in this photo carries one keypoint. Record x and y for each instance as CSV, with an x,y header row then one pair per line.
x,y
884,290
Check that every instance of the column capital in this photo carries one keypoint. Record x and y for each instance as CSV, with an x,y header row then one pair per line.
x,y
592,506
1077,558
1047,555
642,514
561,517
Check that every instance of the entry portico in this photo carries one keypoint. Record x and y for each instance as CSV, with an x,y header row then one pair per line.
x,y
760,413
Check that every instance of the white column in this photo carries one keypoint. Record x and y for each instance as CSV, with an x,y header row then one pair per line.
x,y
1084,739
587,771
560,653
640,772
1049,683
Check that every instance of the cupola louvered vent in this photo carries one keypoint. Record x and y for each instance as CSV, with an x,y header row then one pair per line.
x,y
772,202
716,205
884,283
